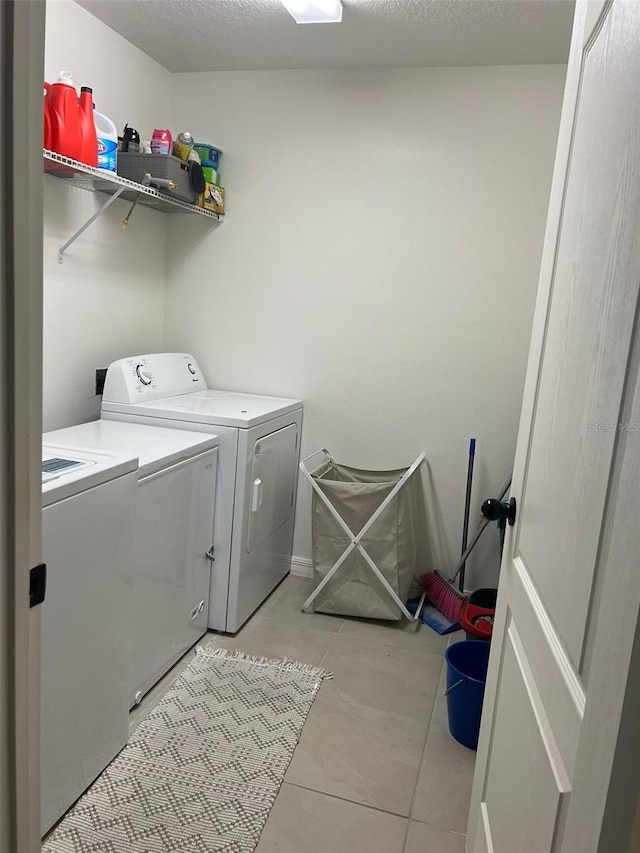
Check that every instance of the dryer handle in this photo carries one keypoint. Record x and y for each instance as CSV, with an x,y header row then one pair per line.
x,y
256,495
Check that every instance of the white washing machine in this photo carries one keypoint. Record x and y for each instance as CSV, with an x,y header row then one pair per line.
x,y
173,536
88,501
259,446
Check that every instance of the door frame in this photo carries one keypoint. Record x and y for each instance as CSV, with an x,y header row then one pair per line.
x,y
619,781
22,33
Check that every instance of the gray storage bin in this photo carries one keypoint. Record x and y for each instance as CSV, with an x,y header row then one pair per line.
x,y
166,166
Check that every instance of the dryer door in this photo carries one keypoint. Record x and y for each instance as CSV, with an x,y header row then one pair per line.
x,y
272,484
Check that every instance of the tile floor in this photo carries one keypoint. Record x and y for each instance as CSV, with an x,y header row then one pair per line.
x,y
376,770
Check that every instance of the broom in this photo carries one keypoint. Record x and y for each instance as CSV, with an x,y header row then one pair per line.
x,y
467,509
441,590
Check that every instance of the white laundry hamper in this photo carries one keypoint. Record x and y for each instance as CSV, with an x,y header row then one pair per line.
x,y
364,538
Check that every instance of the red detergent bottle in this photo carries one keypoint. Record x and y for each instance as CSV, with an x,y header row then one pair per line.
x,y
47,118
64,113
89,146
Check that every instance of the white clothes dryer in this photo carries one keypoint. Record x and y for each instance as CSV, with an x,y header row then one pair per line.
x,y
173,536
87,544
259,446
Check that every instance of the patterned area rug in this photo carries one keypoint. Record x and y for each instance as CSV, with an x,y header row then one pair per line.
x,y
202,771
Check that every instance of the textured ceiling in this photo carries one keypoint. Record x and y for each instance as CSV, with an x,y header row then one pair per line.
x,y
217,35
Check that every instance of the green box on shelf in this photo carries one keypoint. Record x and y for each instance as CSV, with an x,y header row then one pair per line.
x,y
209,154
211,175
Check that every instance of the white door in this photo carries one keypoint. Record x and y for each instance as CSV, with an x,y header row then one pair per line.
x,y
557,767
22,60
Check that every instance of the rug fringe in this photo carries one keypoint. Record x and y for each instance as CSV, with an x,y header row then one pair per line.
x,y
286,664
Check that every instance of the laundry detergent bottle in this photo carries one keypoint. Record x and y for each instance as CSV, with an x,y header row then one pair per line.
x,y
64,117
47,118
89,149
107,135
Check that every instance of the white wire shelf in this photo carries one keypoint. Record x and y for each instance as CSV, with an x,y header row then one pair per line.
x,y
98,180
109,183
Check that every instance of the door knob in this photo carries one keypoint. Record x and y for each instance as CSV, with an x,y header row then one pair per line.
x,y
494,510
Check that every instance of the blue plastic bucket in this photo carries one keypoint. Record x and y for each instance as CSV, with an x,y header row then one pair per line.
x,y
467,663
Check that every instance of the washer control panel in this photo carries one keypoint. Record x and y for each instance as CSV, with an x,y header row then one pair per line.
x,y
142,378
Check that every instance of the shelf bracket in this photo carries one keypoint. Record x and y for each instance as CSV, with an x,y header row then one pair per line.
x,y
89,222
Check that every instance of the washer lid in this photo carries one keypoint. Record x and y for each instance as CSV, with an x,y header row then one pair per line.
x,y
64,479
219,408
155,447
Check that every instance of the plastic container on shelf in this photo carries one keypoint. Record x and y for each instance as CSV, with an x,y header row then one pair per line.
x,y
64,117
212,197
209,154
47,118
161,141
211,175
107,135
182,145
164,167
131,140
89,145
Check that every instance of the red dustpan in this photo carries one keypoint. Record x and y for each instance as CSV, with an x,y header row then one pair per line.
x,y
477,621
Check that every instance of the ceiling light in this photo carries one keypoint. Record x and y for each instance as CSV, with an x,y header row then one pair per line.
x,y
314,11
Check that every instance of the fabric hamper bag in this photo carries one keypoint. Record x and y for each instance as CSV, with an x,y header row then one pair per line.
x,y
390,542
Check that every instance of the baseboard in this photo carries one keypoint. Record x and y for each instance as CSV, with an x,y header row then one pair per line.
x,y
301,567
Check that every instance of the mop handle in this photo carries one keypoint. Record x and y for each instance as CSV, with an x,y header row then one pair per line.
x,y
467,507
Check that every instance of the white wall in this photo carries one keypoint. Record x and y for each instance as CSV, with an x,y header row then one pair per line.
x,y
379,260
107,299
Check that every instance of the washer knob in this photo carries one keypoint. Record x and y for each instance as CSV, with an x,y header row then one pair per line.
x,y
143,375
191,369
